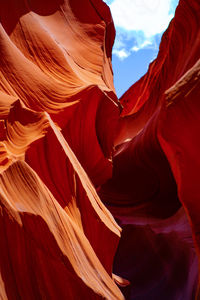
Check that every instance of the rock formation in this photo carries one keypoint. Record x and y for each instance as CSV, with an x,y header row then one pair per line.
x,y
77,164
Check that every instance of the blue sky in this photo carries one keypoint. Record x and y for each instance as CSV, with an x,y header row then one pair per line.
x,y
139,26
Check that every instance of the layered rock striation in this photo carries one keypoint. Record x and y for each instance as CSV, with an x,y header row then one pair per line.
x,y
79,168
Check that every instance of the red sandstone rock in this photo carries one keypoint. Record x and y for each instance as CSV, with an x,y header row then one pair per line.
x,y
178,52
157,170
59,118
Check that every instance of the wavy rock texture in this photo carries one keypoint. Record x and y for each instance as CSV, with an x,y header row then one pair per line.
x,y
62,180
53,224
156,171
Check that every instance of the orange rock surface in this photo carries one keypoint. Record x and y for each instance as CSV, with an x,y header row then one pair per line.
x,y
65,191
57,238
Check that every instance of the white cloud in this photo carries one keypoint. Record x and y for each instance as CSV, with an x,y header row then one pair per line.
x,y
145,44
122,53
138,22
135,48
149,16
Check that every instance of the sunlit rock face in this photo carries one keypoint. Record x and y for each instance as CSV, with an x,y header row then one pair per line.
x,y
70,180
58,114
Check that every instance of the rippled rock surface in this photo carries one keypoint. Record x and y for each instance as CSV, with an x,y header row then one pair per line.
x,y
99,197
